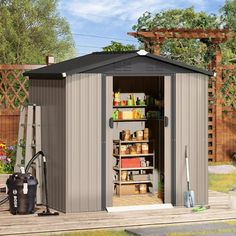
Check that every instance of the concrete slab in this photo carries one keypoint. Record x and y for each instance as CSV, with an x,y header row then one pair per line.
x,y
221,169
140,207
212,228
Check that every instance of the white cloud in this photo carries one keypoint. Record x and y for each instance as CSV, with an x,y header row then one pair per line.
x,y
102,10
124,10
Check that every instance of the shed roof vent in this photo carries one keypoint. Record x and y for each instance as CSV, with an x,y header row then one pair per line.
x,y
142,52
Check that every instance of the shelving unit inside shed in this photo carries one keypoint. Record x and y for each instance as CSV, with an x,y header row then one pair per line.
x,y
136,172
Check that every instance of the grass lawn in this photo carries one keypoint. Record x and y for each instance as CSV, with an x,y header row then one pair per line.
x,y
222,182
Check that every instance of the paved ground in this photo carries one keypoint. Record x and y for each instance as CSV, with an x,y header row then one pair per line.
x,y
221,169
206,229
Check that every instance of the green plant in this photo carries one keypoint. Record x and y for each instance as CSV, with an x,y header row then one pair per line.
x,y
8,160
160,189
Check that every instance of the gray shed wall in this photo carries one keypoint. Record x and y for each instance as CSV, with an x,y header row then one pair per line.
x,y
83,142
50,95
191,129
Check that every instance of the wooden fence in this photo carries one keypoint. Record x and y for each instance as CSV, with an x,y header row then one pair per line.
x,y
13,93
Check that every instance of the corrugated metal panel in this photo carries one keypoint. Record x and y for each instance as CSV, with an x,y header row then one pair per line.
x,y
191,130
107,140
167,141
50,95
83,142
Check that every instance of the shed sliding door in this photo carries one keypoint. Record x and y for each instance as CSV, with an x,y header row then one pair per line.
x,y
168,139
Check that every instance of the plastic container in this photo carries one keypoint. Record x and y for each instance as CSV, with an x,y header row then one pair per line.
x,y
22,192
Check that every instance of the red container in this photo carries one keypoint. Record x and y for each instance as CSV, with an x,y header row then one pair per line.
x,y
130,162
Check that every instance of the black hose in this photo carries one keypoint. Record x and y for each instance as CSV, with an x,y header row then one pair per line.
x,y
4,200
32,160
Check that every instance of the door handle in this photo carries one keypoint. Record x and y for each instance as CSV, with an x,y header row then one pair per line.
x,y
111,123
166,121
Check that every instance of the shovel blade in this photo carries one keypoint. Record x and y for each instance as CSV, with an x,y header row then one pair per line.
x,y
189,200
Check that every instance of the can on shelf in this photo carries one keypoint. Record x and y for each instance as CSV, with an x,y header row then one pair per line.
x,y
123,149
133,149
139,135
139,148
146,134
144,148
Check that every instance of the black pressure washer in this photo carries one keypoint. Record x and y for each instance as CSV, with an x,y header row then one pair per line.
x,y
22,189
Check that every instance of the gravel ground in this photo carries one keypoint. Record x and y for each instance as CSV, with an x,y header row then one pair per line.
x,y
222,169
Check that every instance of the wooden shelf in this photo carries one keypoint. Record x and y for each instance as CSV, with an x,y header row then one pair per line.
x,y
130,141
137,168
132,182
136,106
130,120
133,155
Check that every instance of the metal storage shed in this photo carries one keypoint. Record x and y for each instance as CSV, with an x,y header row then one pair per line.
x,y
76,99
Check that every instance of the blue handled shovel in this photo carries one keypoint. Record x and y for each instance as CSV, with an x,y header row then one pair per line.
x,y
189,194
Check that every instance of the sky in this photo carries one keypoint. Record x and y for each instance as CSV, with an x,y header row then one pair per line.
x,y
95,23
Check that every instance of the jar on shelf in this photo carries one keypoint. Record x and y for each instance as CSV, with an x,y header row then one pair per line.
x,y
125,135
124,175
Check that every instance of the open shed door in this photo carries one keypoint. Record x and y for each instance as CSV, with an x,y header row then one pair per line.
x,y
107,144
167,140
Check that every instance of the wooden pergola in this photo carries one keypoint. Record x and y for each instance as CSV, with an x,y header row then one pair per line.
x,y
157,36
212,38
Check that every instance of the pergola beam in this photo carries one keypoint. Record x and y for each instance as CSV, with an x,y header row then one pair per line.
x,y
218,35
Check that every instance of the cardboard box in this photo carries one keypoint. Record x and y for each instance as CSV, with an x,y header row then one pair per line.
x,y
128,189
127,115
141,177
130,162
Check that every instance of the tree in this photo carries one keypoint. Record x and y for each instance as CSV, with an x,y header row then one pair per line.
x,y
228,20
192,51
228,89
117,47
31,30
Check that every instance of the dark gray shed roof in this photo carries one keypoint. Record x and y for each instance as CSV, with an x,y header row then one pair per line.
x,y
98,59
